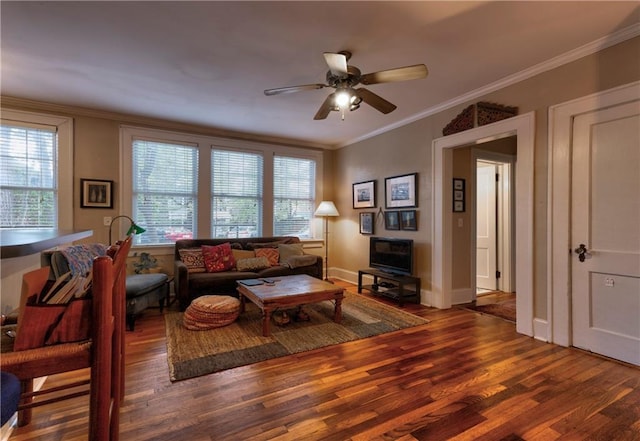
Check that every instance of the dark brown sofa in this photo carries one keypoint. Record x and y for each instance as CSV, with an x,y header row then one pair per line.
x,y
189,286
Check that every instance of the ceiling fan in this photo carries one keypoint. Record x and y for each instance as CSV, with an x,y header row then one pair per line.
x,y
344,78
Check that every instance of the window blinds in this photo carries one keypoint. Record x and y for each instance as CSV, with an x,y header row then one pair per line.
x,y
164,191
294,195
236,189
28,176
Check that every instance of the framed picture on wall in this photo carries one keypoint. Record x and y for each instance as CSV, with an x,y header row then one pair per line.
x,y
458,195
96,193
391,220
401,191
366,223
408,220
364,194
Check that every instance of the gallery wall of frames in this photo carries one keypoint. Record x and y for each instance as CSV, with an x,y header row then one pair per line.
x,y
400,203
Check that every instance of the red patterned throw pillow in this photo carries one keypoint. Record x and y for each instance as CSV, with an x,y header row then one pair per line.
x,y
218,258
270,253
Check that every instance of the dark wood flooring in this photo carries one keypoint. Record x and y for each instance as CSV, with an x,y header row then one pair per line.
x,y
463,376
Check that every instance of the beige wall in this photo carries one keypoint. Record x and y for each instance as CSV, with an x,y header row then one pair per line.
x,y
408,149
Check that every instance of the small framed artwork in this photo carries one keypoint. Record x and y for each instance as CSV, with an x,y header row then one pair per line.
x,y
408,220
401,191
364,194
458,195
95,193
366,223
391,220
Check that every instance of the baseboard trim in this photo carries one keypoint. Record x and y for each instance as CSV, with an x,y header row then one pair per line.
x,y
541,330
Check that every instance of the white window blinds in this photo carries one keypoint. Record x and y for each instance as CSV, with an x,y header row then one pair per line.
x,y
294,195
164,191
236,189
28,177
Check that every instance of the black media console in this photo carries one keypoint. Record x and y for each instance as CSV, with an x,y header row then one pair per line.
x,y
391,285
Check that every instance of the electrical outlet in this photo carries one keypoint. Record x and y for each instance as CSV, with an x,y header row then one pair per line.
x,y
608,281
106,221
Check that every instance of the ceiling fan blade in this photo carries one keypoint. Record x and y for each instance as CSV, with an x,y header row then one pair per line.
x,y
325,108
337,63
375,101
291,89
399,74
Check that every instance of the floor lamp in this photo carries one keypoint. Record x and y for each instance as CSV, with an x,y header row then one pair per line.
x,y
326,209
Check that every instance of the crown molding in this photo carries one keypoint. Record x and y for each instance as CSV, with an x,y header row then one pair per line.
x,y
568,57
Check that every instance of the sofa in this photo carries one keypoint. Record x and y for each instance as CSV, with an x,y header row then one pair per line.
x,y
143,290
250,258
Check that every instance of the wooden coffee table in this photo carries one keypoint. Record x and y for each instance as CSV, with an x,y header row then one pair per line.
x,y
287,292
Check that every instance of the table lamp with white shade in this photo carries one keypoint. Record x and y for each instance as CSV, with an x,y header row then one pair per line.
x,y
326,209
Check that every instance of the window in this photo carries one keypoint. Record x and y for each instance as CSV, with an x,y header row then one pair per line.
x,y
179,185
236,189
294,196
164,191
36,186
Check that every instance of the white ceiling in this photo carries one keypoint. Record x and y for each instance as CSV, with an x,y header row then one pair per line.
x,y
208,63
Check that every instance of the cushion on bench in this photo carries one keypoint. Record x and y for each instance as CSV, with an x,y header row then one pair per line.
x,y
140,284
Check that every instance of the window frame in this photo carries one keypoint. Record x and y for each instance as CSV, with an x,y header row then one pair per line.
x,y
205,144
64,130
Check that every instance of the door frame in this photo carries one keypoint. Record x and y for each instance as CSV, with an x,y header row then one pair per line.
x,y
523,127
559,203
504,218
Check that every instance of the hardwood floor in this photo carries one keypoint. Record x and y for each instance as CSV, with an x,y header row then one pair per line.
x,y
494,297
463,376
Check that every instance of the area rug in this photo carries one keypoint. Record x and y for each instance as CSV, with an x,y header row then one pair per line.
x,y
505,310
195,353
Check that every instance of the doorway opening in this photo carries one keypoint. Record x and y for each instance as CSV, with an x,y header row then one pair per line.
x,y
494,217
442,293
492,171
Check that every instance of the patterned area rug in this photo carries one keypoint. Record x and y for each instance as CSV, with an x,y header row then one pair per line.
x,y
195,353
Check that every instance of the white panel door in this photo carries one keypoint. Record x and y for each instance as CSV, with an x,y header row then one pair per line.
x,y
486,259
606,223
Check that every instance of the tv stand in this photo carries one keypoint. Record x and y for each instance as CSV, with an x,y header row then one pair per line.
x,y
395,290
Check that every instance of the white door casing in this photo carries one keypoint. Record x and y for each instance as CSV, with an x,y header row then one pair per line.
x,y
486,240
560,251
523,127
605,207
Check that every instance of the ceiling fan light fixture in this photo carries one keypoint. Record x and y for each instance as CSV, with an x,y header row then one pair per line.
x,y
343,98
343,78
354,102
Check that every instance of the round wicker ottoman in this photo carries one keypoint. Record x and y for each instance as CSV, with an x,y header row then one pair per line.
x,y
208,312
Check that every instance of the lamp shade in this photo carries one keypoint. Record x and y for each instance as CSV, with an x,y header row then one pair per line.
x,y
326,208
133,228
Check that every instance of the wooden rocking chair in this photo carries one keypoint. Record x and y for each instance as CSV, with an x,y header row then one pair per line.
x,y
103,353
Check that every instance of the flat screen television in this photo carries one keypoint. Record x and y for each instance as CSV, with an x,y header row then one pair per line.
x,y
391,255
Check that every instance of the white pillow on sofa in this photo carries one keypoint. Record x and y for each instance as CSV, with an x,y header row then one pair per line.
x,y
290,250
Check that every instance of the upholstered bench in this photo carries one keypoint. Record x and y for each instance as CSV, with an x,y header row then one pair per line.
x,y
208,312
143,290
